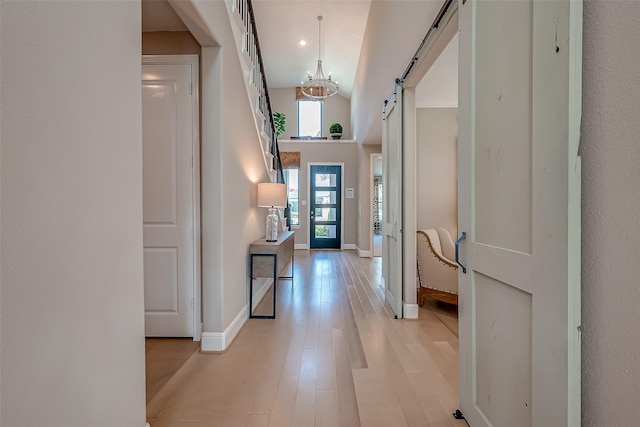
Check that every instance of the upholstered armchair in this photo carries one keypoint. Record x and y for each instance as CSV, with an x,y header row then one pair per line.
x,y
437,273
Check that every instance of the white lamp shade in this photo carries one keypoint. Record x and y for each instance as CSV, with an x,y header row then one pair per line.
x,y
272,195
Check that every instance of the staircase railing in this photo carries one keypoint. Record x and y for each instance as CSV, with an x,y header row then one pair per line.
x,y
258,78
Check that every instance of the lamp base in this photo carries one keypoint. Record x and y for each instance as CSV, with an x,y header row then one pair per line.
x,y
272,226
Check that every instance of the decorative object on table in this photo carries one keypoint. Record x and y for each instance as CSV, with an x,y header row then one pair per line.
x,y
272,195
335,130
279,120
318,86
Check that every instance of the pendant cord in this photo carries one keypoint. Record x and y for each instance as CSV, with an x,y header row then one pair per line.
x,y
319,38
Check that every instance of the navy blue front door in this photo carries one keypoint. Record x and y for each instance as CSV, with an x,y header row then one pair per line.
x,y
325,206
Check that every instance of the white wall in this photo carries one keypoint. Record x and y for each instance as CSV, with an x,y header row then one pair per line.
x,y
71,217
439,86
334,109
338,152
611,200
394,32
169,43
232,165
436,170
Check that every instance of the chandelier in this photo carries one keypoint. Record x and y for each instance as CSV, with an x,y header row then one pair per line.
x,y
318,86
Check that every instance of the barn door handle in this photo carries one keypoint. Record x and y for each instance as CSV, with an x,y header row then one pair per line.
x,y
460,239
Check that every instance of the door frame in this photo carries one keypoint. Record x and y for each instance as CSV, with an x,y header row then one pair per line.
x,y
342,186
436,40
372,156
194,61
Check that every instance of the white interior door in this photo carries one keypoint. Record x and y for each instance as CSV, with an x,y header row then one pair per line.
x,y
168,199
519,203
392,202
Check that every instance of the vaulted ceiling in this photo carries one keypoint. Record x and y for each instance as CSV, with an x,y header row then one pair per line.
x,y
283,23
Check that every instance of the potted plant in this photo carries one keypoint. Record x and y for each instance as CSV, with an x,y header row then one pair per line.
x,y
335,130
279,122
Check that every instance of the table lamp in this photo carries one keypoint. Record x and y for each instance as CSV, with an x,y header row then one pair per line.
x,y
272,195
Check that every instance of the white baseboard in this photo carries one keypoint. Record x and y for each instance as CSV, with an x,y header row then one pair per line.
x,y
219,341
364,254
300,246
348,246
411,311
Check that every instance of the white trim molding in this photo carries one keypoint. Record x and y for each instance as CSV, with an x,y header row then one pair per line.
x,y
364,254
349,246
302,246
219,341
410,311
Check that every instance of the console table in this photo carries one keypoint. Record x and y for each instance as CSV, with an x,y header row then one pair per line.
x,y
268,259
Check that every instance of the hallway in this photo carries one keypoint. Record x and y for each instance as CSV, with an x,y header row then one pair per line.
x,y
333,356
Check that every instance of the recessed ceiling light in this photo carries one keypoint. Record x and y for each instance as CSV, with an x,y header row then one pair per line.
x,y
303,43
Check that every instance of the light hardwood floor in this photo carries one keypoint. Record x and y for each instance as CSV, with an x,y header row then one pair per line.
x,y
334,356
164,357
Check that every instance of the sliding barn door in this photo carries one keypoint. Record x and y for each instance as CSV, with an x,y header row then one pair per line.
x,y
392,201
519,204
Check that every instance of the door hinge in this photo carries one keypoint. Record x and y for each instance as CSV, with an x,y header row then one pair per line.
x,y
192,303
190,88
458,415
191,161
